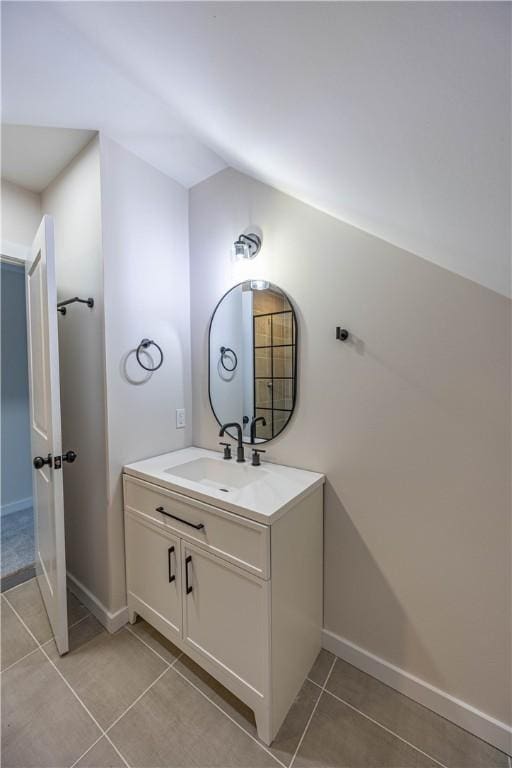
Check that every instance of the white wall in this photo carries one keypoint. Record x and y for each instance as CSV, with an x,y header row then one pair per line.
x,y
145,247
21,215
73,198
410,421
121,237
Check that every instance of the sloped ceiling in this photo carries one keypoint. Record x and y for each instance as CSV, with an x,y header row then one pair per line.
x,y
392,116
33,157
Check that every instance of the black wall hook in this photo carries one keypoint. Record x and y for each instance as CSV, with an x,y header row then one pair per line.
x,y
342,334
61,306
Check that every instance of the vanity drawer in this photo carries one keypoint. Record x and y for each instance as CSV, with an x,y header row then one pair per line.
x,y
232,537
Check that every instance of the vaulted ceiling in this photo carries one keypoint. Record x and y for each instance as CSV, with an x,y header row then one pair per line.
x,y
32,156
392,116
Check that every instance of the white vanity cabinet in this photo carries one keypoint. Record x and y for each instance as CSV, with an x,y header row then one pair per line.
x,y
243,599
154,574
226,618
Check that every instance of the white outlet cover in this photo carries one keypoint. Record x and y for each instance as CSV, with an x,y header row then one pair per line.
x,y
180,418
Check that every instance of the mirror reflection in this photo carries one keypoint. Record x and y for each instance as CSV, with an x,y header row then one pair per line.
x,y
253,360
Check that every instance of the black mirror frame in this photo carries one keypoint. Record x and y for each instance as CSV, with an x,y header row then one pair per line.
x,y
295,367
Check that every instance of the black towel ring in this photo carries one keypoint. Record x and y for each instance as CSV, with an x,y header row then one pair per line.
x,y
145,343
228,351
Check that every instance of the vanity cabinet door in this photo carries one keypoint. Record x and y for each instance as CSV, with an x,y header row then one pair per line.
x,y
225,617
153,574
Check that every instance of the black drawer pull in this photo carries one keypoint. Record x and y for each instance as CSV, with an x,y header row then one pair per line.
x,y
197,526
188,588
172,577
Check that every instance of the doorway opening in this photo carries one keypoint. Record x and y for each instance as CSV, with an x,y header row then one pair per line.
x,y
17,514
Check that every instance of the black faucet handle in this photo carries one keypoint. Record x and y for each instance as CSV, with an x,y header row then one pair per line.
x,y
256,456
227,450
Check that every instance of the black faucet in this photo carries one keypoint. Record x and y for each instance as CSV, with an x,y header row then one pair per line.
x,y
253,427
240,456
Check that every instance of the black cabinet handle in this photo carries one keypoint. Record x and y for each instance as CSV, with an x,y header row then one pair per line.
x,y
172,576
188,588
197,526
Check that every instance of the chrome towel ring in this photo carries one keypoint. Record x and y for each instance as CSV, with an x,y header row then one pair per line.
x,y
227,351
145,343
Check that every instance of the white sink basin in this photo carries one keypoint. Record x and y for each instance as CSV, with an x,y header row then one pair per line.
x,y
261,494
222,475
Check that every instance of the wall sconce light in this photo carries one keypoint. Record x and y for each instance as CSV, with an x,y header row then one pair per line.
x,y
247,246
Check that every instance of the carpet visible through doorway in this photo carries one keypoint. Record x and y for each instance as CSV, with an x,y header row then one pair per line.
x,y
17,548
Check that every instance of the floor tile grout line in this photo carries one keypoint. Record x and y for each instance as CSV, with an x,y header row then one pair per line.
x,y
40,645
106,732
18,660
139,697
16,586
100,737
41,648
167,668
11,606
125,761
171,664
75,624
368,717
384,727
256,741
310,718
75,694
376,722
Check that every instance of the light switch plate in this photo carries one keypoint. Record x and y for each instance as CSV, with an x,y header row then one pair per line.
x,y
180,418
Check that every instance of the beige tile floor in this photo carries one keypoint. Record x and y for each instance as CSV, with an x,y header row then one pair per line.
x,y
132,699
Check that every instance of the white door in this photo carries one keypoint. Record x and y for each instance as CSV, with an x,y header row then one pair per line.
x,y
45,431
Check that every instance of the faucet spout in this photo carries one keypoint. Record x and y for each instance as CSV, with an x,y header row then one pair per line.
x,y
240,456
253,427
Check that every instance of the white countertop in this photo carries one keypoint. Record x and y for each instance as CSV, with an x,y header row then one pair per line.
x,y
271,488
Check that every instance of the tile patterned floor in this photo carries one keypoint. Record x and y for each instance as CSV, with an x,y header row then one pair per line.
x,y
132,699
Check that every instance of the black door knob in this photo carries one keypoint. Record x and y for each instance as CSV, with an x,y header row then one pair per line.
x,y
39,462
70,456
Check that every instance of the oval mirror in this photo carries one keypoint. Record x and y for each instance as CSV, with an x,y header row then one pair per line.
x,y
252,372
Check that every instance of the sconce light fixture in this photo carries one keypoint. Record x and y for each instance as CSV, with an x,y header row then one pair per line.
x,y
247,246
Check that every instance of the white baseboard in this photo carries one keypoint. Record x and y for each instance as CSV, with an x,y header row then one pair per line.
x,y
15,506
111,621
459,712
